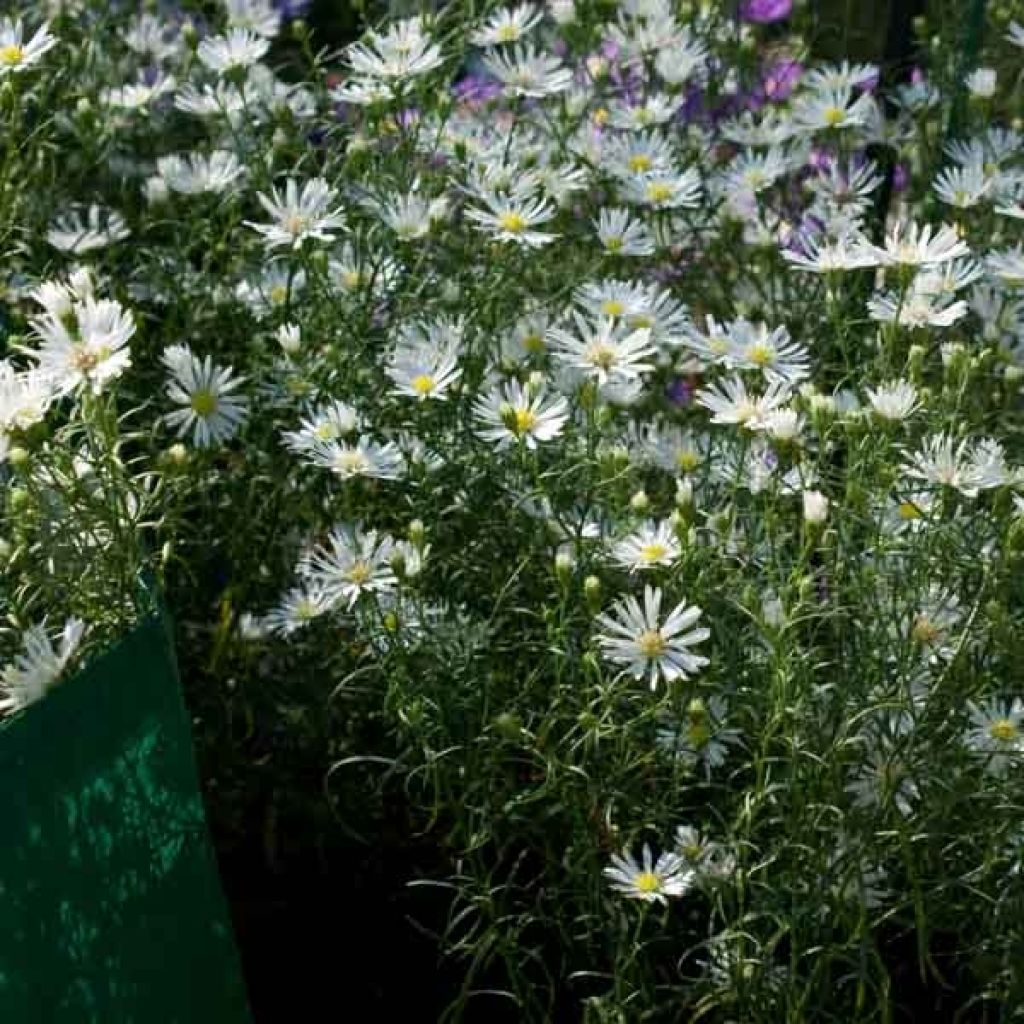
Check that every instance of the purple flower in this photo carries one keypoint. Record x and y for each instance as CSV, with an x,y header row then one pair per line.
x,y
780,79
900,178
680,391
763,12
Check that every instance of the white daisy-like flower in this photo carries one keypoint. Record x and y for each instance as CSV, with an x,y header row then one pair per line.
x,y
731,403
894,402
326,423
669,191
420,368
513,219
699,737
412,215
651,546
39,665
363,458
138,95
647,880
1015,34
24,398
621,235
209,406
259,16
635,637
963,187
353,563
512,413
18,54
300,212
85,348
604,350
296,609
526,71
236,50
995,733
195,173
917,308
403,52
916,245
770,350
80,231
220,100
849,252
507,25
1007,266
943,461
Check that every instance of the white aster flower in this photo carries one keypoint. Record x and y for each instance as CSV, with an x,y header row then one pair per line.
x,y
422,368
894,402
18,54
995,733
363,458
259,16
915,245
296,609
513,218
39,665
403,52
352,564
237,49
206,394
649,881
507,25
85,348
526,71
621,235
85,231
604,350
300,212
652,545
637,638
512,413
195,173
731,403
325,423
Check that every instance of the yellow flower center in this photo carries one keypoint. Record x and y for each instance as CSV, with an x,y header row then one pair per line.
x,y
423,384
351,279
639,162
507,34
925,631
86,359
359,573
278,294
659,192
647,882
653,552
534,344
761,355
512,222
1003,729
834,116
203,402
718,345
908,510
305,609
601,355
687,461
613,244
601,116
524,420
11,54
613,307
295,224
351,462
639,321
652,644
325,432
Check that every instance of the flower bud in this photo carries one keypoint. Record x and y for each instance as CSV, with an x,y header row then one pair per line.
x,y
417,532
289,337
815,507
592,592
640,503
564,565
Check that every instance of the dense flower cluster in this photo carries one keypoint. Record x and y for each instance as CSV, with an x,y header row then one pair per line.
x,y
627,415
